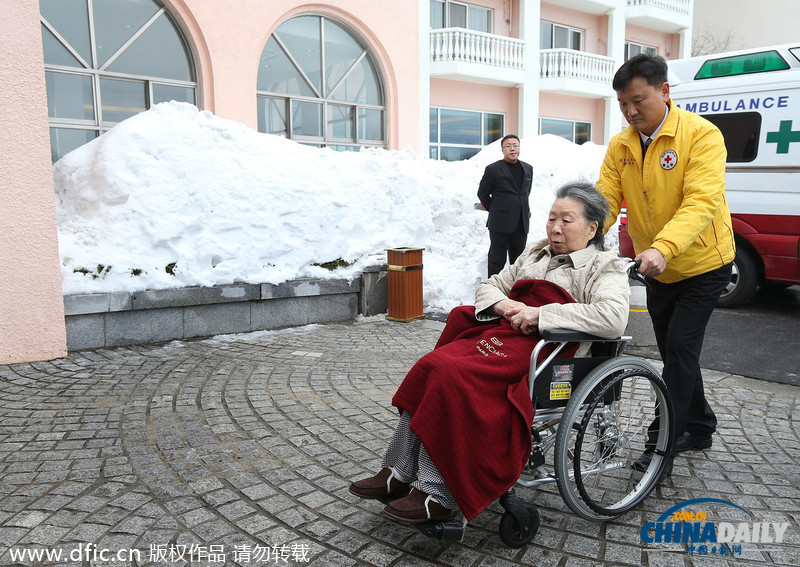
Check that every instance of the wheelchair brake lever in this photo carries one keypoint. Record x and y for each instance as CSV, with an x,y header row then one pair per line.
x,y
633,272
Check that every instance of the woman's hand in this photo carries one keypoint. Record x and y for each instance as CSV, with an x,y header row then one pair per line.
x,y
523,318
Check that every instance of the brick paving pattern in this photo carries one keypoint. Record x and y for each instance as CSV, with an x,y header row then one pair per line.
x,y
239,451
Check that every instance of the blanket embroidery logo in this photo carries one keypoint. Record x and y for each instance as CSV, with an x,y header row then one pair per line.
x,y
485,347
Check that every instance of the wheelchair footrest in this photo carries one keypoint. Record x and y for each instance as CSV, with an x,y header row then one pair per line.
x,y
445,531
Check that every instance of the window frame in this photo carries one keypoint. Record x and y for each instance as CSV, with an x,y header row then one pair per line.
x,y
437,146
96,72
570,31
354,142
573,123
446,11
642,48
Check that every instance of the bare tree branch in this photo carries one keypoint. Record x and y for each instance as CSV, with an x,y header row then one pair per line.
x,y
711,41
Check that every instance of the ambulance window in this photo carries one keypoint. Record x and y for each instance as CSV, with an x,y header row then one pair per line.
x,y
741,132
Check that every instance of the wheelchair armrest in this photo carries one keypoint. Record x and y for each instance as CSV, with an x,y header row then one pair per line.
x,y
563,335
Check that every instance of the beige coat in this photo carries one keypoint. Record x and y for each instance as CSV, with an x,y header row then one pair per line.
x,y
595,279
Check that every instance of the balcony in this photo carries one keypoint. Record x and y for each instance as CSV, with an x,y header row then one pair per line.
x,y
668,16
594,7
576,73
464,55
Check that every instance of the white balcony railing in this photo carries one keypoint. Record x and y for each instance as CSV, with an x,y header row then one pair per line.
x,y
458,44
681,7
571,64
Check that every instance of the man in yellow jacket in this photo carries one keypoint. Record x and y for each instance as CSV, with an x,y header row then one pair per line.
x,y
669,168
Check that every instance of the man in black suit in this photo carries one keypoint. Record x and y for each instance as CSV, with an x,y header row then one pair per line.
x,y
504,191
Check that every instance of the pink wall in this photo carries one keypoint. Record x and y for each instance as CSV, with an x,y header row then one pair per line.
x,y
229,44
505,16
595,28
487,98
574,108
668,45
31,305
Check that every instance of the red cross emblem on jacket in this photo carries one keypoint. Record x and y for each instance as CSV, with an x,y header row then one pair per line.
x,y
669,159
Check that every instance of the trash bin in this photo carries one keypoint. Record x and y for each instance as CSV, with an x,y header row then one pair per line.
x,y
405,284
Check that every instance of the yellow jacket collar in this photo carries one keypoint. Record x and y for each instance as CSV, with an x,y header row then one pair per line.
x,y
630,137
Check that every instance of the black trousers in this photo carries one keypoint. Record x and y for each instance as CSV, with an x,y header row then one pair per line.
x,y
680,312
505,244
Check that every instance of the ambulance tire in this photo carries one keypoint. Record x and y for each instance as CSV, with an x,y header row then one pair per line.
x,y
744,279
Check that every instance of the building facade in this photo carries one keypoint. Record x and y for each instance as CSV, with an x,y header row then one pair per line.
x,y
443,77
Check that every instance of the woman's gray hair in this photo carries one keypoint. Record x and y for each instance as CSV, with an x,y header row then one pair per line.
x,y
595,206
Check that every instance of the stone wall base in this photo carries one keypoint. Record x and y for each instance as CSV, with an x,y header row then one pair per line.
x,y
102,320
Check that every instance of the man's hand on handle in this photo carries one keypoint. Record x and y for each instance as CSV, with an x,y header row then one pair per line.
x,y
653,262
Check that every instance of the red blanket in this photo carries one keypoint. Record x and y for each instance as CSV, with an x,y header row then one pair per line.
x,y
470,403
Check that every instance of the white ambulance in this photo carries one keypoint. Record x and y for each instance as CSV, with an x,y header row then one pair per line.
x,y
753,97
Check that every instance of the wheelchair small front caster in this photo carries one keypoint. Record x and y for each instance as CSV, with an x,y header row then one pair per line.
x,y
515,534
519,523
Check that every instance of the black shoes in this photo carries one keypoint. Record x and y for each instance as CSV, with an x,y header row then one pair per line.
x,y
689,442
686,442
643,463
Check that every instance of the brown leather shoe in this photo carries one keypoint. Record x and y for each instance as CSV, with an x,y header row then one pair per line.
x,y
416,508
382,485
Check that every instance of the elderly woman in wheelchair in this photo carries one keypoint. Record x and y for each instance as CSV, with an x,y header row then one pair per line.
x,y
467,428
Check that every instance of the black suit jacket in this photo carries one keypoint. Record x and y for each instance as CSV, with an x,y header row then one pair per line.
x,y
505,202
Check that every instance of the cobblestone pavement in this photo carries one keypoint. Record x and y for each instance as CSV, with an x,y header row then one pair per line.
x,y
239,451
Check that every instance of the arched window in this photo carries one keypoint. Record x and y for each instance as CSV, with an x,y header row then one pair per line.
x,y
106,60
319,85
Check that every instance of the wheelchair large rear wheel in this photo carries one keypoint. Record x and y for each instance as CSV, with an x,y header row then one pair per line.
x,y
620,409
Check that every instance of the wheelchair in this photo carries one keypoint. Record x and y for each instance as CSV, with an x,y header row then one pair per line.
x,y
596,415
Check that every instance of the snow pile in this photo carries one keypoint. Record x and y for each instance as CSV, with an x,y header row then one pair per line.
x,y
177,197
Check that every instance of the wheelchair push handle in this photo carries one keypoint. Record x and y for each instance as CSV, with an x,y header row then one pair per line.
x,y
633,272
